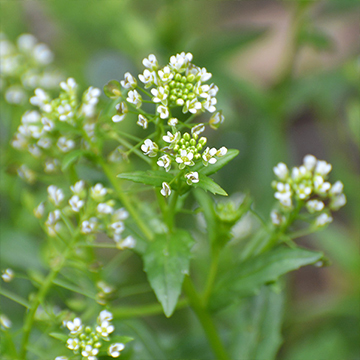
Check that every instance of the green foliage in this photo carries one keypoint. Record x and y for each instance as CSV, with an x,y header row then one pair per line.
x,y
166,262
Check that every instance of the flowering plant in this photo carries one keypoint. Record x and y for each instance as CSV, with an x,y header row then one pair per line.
x,y
66,137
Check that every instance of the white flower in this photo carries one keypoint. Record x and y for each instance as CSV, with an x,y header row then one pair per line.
x,y
128,243
192,106
89,352
314,205
103,208
165,190
75,326
39,210
7,275
149,148
322,168
208,156
165,74
69,86
184,159
283,194
134,98
105,329
142,121
53,217
163,111
198,129
120,214
34,151
117,227
173,122
105,288
148,78
303,191
104,315
26,173
98,192
78,187
160,95
48,125
45,142
172,138
75,203
337,202
61,358
192,177
89,226
42,54
114,349
26,42
51,165
323,219
129,81
73,344
15,95
122,110
281,171
299,173
165,162
65,144
181,61
150,62
320,185
310,162
276,218
56,195
40,99
337,188
5,321
222,151
204,75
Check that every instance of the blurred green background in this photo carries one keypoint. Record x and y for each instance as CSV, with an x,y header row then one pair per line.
x,y
288,74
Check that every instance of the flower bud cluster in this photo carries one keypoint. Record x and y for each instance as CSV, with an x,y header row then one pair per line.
x,y
92,209
25,66
58,126
307,185
185,151
91,342
178,84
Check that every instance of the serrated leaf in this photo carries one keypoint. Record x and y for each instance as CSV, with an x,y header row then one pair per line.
x,y
112,89
150,177
71,157
208,184
246,278
221,162
59,336
166,261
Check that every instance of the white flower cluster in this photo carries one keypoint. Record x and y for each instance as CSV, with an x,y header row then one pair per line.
x,y
92,209
92,341
307,185
178,84
25,66
183,150
43,133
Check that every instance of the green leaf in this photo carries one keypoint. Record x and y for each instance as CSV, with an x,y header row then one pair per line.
x,y
121,339
59,336
316,38
208,184
112,89
73,156
246,278
150,177
166,261
257,334
221,162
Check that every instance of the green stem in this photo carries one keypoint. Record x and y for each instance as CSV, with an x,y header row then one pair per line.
x,y
30,317
205,320
211,277
14,297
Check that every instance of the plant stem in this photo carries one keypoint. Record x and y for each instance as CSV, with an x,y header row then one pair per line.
x,y
30,317
205,320
211,277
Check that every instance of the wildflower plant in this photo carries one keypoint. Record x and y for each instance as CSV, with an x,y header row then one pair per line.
x,y
175,106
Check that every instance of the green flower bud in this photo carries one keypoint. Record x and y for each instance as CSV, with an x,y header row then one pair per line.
x,y
195,136
187,144
88,329
185,97
183,79
189,86
185,91
173,97
199,147
191,96
178,77
203,140
176,148
192,142
197,156
181,85
186,136
182,141
172,84
190,78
